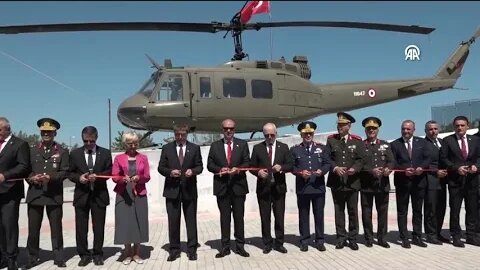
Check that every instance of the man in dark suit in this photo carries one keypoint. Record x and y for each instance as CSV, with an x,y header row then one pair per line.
x,y
225,158
49,168
375,181
91,193
436,193
180,163
347,152
311,163
14,166
412,155
460,155
275,160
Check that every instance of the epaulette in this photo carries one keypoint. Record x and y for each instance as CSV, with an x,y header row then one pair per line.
x,y
355,137
334,136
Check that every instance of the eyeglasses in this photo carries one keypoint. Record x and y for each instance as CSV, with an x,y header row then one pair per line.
x,y
308,133
89,141
269,135
228,128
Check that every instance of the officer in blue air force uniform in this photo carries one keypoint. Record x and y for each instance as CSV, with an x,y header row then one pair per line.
x,y
347,151
311,163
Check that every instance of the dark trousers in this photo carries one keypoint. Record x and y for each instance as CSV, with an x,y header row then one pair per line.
x,y
403,194
381,203
98,224
430,215
318,205
441,207
35,217
457,195
174,212
350,199
9,209
267,203
228,205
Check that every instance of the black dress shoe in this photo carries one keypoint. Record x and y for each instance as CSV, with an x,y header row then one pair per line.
x,y
418,242
341,244
458,243
60,263
443,239
192,256
320,247
98,260
3,264
173,256
281,249
368,243
12,264
406,243
84,261
242,252
434,240
303,247
473,241
383,243
353,245
224,252
267,249
32,262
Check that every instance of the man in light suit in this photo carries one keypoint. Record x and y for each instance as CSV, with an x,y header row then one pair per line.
x,y
460,155
225,158
14,165
180,163
91,193
275,160
411,154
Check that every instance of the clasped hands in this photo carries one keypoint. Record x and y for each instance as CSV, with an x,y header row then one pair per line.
x,y
342,171
133,179
88,177
263,173
413,171
178,173
40,178
464,170
306,173
379,171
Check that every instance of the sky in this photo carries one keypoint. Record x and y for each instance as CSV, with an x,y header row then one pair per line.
x,y
71,76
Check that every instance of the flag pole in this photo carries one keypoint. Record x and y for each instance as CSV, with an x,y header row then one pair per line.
x,y
271,33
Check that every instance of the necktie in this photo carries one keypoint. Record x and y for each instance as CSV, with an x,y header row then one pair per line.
x,y
344,140
409,149
229,152
436,143
270,157
90,166
464,149
180,154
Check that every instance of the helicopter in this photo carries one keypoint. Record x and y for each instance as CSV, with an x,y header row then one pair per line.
x,y
253,92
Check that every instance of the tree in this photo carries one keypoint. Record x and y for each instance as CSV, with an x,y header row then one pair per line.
x,y
32,140
117,144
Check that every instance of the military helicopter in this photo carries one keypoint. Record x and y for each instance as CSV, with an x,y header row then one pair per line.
x,y
253,92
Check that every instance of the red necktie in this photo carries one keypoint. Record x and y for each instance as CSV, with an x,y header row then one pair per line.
x,y
270,157
229,152
464,149
180,154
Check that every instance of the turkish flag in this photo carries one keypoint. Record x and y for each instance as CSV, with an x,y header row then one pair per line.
x,y
252,8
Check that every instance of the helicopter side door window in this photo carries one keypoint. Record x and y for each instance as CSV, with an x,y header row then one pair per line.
x,y
234,88
205,87
172,88
262,89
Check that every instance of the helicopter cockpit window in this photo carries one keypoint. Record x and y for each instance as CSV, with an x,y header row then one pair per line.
x,y
147,88
205,87
172,88
262,89
234,88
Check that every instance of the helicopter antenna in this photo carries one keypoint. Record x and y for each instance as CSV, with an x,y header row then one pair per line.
x,y
154,63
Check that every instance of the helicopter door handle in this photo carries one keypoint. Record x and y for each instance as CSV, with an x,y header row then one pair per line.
x,y
185,105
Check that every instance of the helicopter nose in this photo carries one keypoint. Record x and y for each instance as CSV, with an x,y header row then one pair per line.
x,y
132,114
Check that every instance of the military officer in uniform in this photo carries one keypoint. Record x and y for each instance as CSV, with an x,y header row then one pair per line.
x,y
311,163
347,151
374,181
50,163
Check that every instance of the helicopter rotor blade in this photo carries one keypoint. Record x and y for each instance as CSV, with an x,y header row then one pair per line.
x,y
361,25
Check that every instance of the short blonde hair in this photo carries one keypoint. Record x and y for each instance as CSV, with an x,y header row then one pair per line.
x,y
130,135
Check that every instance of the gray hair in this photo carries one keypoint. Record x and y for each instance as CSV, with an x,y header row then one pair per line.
x,y
4,122
130,135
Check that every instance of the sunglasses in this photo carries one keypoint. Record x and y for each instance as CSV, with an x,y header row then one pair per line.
x,y
228,128
89,141
269,135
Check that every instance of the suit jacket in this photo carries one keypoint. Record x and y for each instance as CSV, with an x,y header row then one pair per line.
x,y
192,159
451,159
377,155
260,159
229,184
348,155
14,163
102,166
318,158
420,158
120,169
55,163
433,182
